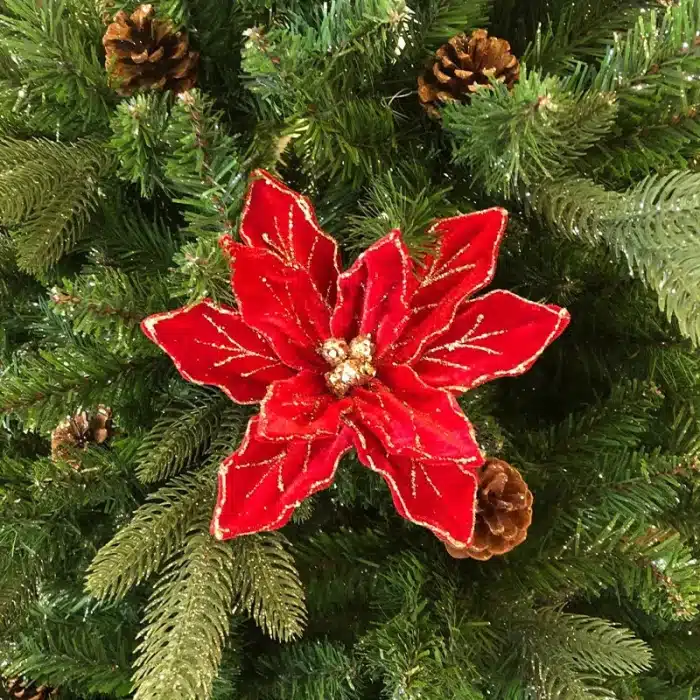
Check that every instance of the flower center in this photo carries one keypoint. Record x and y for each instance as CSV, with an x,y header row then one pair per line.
x,y
353,364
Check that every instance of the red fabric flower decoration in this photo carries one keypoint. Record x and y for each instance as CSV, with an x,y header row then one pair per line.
x,y
372,357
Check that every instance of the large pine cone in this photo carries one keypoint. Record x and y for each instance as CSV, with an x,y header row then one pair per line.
x,y
503,513
26,690
143,52
464,64
79,431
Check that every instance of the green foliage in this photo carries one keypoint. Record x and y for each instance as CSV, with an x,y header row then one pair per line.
x,y
156,531
519,138
652,227
187,621
268,585
111,209
48,191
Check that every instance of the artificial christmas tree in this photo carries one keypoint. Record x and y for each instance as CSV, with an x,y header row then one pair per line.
x,y
120,208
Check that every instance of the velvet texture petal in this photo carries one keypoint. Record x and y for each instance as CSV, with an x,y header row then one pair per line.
x,y
301,406
497,335
373,294
282,221
282,304
411,419
262,482
438,495
213,345
463,263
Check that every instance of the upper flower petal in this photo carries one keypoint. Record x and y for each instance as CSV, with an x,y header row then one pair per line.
x,y
497,335
438,495
301,406
412,419
212,345
262,482
280,220
373,294
463,263
281,302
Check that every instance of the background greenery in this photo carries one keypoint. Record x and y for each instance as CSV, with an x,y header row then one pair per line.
x,y
111,587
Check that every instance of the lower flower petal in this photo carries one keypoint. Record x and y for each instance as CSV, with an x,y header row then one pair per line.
x,y
301,406
412,419
262,482
213,345
497,335
438,495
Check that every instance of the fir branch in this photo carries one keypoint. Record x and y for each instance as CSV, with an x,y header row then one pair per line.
x,y
49,191
268,586
181,436
187,621
519,138
439,20
156,531
312,670
653,226
138,127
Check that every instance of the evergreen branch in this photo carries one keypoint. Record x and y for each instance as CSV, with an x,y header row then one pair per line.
x,y
268,586
593,645
653,226
187,621
312,670
56,48
156,531
180,437
519,138
438,20
49,190
138,128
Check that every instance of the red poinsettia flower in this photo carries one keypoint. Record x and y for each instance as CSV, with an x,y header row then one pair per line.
x,y
372,357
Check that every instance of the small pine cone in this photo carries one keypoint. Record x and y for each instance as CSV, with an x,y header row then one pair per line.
x,y
464,64
79,431
503,513
143,52
23,689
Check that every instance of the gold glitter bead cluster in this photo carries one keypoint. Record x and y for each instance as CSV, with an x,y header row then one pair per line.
x,y
353,364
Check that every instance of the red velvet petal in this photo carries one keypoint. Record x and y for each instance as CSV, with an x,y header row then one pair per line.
x,y
412,419
438,495
262,482
465,261
280,302
281,220
497,335
301,406
373,294
213,345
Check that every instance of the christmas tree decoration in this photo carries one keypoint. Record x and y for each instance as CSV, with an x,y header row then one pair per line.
x,y
79,431
370,358
23,689
503,513
462,66
146,53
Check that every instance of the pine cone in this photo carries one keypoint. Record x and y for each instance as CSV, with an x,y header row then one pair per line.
x,y
79,431
26,690
143,52
503,513
464,64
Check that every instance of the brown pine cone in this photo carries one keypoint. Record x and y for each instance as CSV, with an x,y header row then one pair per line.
x,y
143,52
503,513
464,64
26,690
79,431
